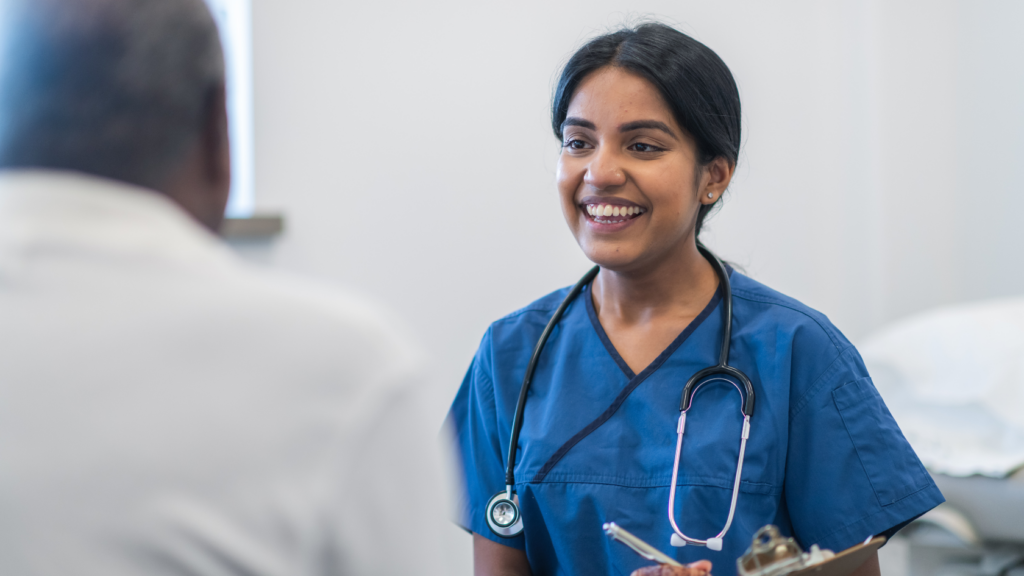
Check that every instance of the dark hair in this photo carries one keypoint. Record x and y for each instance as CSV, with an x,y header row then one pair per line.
x,y
693,80
116,88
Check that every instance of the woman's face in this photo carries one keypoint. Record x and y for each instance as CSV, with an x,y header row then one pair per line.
x,y
627,173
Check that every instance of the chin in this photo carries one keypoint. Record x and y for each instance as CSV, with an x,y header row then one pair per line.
x,y
612,258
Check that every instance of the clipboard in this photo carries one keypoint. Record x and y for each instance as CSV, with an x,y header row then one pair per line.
x,y
771,554
841,564
845,562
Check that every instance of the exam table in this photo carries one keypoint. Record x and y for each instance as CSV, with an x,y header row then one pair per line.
x,y
953,379
979,531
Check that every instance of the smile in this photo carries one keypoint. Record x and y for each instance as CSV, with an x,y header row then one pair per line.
x,y
612,214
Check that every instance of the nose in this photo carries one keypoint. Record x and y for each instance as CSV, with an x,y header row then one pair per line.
x,y
604,170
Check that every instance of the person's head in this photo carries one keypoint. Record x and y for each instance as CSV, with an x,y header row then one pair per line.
x,y
649,121
131,90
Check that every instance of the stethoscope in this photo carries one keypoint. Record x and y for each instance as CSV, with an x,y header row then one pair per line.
x,y
503,514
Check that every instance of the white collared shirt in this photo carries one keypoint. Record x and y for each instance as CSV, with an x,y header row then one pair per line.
x,y
166,408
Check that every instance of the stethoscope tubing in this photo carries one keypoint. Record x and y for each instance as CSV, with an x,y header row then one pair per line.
x,y
723,366
680,427
524,390
691,387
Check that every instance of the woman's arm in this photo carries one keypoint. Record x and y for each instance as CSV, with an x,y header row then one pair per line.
x,y
493,559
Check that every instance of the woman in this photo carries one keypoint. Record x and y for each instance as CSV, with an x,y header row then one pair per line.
x,y
649,121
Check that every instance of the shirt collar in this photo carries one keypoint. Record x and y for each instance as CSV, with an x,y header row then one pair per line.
x,y
63,209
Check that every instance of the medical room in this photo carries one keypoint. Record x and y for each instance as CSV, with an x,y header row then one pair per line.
x,y
316,298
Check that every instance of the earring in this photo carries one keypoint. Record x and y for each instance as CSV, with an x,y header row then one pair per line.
x,y
710,195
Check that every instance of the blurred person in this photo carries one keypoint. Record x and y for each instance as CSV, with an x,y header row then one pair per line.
x,y
164,407
630,398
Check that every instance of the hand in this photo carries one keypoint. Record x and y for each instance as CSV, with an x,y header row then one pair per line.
x,y
701,568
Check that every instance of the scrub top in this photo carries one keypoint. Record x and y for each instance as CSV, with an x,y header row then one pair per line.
x,y
825,461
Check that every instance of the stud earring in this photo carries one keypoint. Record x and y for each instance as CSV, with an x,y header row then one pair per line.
x,y
710,195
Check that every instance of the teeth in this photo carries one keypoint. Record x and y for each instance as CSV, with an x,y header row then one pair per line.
x,y
607,210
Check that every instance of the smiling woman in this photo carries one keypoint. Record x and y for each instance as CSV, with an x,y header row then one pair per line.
x,y
689,81
624,151
649,121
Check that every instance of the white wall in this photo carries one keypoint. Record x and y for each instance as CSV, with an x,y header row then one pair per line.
x,y
408,145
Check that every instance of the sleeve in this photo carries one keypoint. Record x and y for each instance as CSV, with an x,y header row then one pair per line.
x,y
850,473
473,424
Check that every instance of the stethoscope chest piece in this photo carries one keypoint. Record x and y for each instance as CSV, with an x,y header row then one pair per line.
x,y
502,512
503,515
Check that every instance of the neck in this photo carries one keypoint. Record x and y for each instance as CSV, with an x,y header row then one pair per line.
x,y
679,285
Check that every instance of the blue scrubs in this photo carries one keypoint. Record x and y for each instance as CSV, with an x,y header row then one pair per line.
x,y
825,461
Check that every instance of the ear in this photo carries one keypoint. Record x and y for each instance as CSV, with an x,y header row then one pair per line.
x,y
216,143
214,170
202,181
715,179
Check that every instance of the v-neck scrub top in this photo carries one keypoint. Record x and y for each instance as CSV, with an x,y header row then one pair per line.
x,y
825,461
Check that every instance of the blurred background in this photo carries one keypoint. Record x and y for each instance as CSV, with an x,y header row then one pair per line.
x,y
407,148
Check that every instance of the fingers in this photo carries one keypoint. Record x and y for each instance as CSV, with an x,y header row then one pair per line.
x,y
702,568
701,565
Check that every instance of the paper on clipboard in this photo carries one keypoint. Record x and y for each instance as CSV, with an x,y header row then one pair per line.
x,y
845,562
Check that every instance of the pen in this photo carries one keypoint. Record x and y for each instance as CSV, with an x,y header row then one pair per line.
x,y
615,532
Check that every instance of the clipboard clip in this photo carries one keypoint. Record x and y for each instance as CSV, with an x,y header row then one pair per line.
x,y
772,555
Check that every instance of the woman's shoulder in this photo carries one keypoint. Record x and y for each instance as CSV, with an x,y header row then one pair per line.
x,y
520,329
543,306
757,303
817,357
528,321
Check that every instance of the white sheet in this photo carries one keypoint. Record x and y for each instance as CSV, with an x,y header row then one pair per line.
x,y
954,380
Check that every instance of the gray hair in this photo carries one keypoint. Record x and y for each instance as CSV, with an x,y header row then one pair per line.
x,y
117,88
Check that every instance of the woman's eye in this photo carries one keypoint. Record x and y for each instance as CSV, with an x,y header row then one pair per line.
x,y
575,144
641,147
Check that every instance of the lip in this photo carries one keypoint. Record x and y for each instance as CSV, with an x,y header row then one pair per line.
x,y
609,227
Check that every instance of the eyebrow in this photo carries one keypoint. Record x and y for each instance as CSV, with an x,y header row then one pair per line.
x,y
647,124
627,127
573,121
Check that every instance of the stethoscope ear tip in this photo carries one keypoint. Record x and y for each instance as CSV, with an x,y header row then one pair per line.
x,y
714,544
